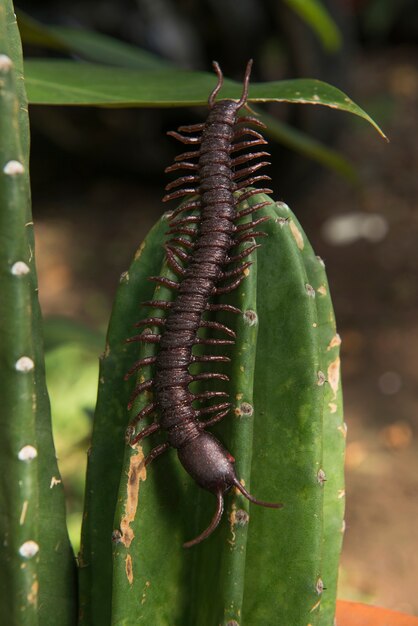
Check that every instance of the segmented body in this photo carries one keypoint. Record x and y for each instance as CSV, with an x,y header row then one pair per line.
x,y
203,269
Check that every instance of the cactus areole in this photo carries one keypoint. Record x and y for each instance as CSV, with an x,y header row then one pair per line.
x,y
206,264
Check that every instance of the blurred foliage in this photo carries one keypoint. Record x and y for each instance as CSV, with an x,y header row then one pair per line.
x,y
71,362
305,39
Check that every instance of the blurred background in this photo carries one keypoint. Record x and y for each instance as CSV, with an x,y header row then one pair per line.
x,y
97,177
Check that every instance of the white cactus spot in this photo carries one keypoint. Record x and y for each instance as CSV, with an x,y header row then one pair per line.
x,y
341,493
27,453
54,482
29,549
250,317
297,235
6,63
320,261
124,277
321,476
322,290
245,409
282,221
24,364
116,536
332,407
310,290
241,517
319,586
320,378
20,268
282,205
13,168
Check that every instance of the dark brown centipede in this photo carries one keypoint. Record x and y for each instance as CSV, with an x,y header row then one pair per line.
x,y
202,268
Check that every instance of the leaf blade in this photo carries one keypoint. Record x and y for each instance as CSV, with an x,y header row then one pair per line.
x,y
70,83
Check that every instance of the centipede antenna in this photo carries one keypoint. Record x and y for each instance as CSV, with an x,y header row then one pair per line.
x,y
211,99
271,505
247,75
213,524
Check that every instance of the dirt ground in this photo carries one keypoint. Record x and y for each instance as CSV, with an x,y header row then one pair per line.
x,y
368,238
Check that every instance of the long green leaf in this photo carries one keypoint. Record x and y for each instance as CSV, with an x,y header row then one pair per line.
x,y
88,45
314,13
71,83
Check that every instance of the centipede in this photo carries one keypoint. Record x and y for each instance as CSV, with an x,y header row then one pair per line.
x,y
207,249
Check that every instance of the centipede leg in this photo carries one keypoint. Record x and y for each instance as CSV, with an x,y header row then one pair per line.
x,y
210,376
243,254
237,271
145,337
207,410
180,254
231,286
218,326
243,158
148,360
150,321
249,170
166,282
149,430
158,304
172,262
195,204
147,410
183,138
251,209
139,389
253,192
215,419
156,452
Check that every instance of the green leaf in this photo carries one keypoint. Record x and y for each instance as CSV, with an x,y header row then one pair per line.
x,y
89,45
71,83
314,13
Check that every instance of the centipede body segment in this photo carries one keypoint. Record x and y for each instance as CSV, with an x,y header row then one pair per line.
x,y
200,251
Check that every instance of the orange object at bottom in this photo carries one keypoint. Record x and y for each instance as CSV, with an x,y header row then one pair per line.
x,y
358,614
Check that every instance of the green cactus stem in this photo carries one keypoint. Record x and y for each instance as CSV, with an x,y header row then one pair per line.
x,y
261,566
37,566
110,422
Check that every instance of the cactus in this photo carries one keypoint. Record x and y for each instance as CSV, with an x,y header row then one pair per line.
x,y
36,562
261,566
